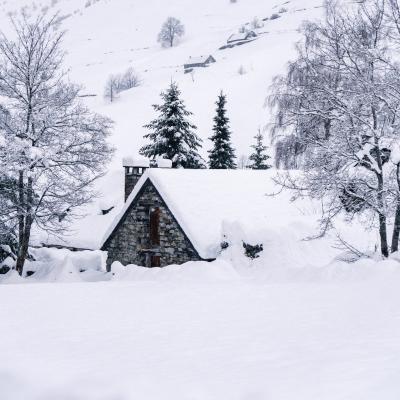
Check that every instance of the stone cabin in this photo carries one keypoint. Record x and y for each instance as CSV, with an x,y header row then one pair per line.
x,y
198,62
172,216
146,233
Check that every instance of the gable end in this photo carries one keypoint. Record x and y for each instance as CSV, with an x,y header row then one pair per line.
x,y
130,238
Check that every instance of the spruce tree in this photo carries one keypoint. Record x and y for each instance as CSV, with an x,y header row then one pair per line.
x,y
222,156
258,157
172,135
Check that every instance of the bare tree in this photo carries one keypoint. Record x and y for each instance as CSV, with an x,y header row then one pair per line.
x,y
121,82
243,162
52,148
111,90
337,112
129,79
171,30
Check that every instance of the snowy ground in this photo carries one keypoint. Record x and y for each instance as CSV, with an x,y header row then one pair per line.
x,y
204,333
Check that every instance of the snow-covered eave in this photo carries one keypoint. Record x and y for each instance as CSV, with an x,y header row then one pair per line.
x,y
145,179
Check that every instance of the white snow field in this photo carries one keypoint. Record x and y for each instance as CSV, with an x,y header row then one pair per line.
x,y
202,332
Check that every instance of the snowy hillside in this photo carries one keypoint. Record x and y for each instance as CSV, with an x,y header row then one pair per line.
x,y
109,36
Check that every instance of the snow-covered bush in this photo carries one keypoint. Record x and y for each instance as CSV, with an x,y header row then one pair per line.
x,y
252,251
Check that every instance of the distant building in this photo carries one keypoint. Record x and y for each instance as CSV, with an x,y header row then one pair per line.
x,y
198,62
241,37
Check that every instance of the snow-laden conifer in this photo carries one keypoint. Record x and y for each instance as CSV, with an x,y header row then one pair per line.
x,y
172,135
222,155
259,158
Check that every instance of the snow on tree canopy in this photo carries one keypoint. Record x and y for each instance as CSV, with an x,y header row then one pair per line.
x,y
204,202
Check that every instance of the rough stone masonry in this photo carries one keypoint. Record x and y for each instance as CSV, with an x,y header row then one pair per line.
x,y
130,243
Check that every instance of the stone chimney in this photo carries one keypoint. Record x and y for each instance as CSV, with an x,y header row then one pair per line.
x,y
134,169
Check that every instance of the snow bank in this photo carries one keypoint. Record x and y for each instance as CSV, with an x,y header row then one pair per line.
x,y
195,272
286,257
60,265
260,271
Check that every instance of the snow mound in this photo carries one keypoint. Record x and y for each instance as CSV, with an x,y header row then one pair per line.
x,y
198,271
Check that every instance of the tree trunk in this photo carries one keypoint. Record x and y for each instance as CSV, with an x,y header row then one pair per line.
x,y
396,229
383,235
382,219
381,214
381,204
21,222
25,223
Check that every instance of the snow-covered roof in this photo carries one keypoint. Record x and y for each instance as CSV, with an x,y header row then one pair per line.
x,y
206,202
198,60
241,36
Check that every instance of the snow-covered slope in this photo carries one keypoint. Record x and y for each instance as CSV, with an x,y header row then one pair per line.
x,y
109,36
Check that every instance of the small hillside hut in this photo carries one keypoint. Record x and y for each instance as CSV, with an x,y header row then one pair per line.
x,y
198,62
239,38
172,216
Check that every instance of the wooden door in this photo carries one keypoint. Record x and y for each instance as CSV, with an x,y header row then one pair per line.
x,y
155,261
155,227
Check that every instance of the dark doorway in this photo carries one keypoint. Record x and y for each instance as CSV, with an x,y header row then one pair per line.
x,y
155,261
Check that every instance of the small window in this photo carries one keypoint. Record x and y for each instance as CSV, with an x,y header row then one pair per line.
x,y
155,227
140,171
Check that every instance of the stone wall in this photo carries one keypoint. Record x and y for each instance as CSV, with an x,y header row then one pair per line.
x,y
129,242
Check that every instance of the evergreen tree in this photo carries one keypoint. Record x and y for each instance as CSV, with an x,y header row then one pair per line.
x,y
258,157
172,135
222,156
